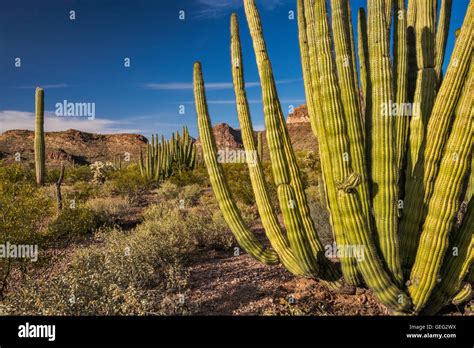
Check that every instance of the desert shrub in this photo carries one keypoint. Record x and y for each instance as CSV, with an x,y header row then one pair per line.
x,y
78,173
24,209
79,221
180,196
108,209
319,214
129,274
25,213
188,177
238,179
127,183
192,227
83,190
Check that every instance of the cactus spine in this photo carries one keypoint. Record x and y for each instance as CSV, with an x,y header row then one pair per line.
x,y
39,137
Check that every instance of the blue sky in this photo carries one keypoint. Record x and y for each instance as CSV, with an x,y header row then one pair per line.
x,y
82,60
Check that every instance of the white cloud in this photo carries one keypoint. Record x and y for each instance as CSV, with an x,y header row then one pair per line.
x,y
175,86
52,86
14,119
250,101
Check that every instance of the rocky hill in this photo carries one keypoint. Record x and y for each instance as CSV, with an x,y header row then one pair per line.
x,y
85,148
70,145
298,125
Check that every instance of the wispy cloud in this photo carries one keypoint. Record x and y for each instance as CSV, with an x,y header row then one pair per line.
x,y
176,86
216,9
58,85
14,119
250,101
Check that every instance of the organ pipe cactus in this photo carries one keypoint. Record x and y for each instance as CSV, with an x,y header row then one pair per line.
x,y
411,262
39,137
260,145
162,157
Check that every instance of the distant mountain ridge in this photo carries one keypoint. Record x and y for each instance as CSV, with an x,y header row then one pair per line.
x,y
85,148
71,145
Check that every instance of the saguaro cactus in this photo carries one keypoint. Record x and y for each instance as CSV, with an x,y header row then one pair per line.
x,y
39,137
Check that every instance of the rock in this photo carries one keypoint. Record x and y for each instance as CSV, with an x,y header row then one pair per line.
x,y
72,145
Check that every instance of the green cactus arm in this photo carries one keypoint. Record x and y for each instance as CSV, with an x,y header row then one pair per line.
x,y
388,13
257,177
370,266
39,137
442,35
411,12
260,145
464,295
349,96
444,202
411,49
363,53
425,90
470,184
456,265
419,188
354,60
283,159
400,69
140,163
157,160
355,223
308,41
384,173
244,237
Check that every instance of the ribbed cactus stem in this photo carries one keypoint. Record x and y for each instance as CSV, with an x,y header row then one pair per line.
x,y
39,138
457,262
244,237
350,97
442,36
384,173
260,145
363,52
464,295
411,49
346,181
315,105
400,69
284,164
268,217
140,163
425,91
445,201
419,187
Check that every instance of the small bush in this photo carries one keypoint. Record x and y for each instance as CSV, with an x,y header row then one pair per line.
x,y
81,191
108,209
78,173
197,176
319,214
127,183
79,221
